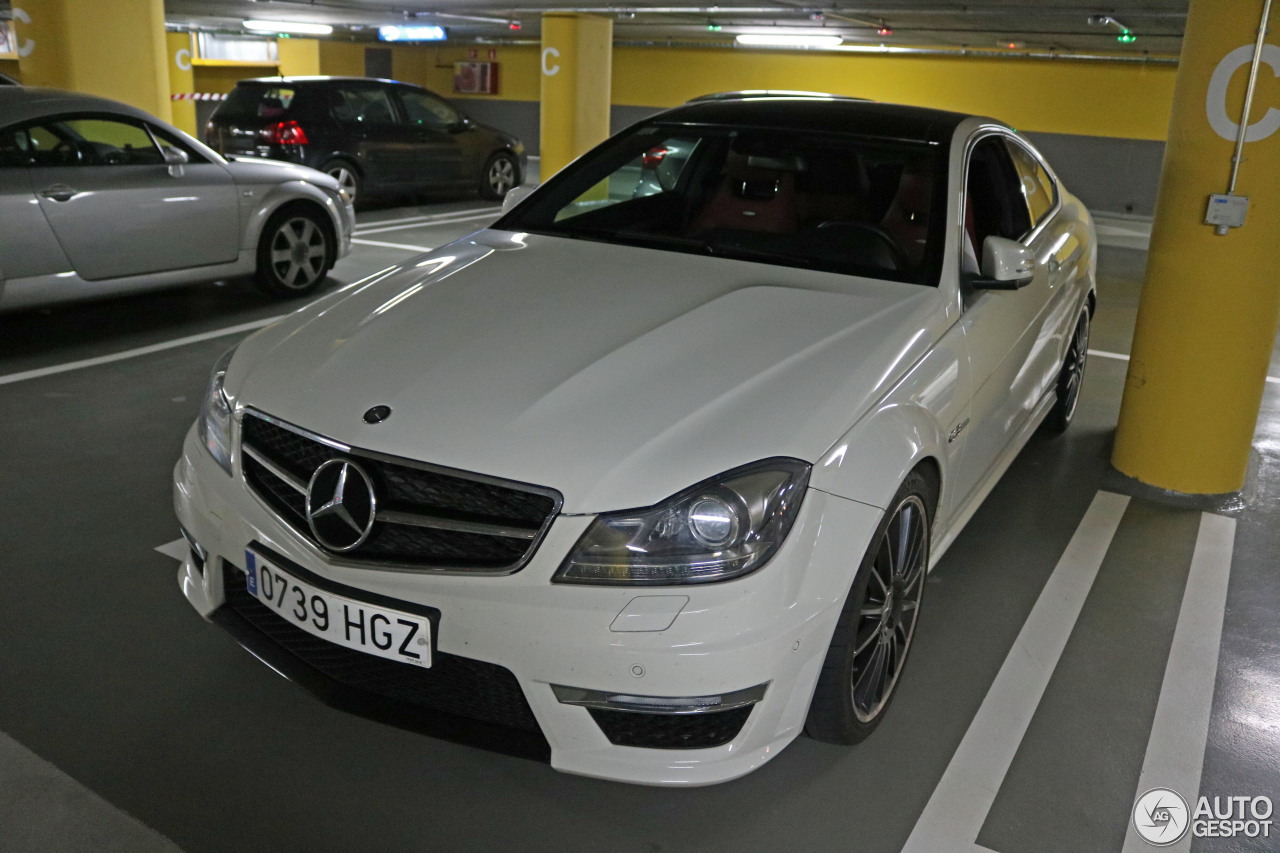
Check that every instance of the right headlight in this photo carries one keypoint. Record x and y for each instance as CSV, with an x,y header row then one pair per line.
x,y
215,414
721,528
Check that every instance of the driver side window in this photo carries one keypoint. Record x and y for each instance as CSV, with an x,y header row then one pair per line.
x,y
994,202
90,142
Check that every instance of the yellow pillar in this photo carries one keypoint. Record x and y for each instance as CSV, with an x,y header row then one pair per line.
x,y
182,80
1210,304
112,48
577,57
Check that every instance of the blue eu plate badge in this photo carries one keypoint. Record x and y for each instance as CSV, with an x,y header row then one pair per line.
x,y
251,572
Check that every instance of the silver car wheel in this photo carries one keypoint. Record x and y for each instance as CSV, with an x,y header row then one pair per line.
x,y
298,252
887,620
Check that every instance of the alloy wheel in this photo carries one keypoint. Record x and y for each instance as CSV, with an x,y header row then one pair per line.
x,y
298,252
346,181
1077,353
502,175
887,620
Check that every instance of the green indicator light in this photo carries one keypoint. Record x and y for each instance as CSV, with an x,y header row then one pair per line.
x,y
715,28
1126,37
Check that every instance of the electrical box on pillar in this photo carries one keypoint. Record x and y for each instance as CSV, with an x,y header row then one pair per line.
x,y
1210,303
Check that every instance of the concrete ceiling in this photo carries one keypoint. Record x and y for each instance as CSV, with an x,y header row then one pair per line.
x,y
1033,25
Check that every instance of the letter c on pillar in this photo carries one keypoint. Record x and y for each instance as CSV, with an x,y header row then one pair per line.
x,y
550,53
28,45
1216,99
183,59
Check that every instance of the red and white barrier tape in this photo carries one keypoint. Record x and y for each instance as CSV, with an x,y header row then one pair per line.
x,y
197,96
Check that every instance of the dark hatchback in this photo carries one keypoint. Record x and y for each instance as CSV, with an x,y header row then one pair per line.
x,y
376,137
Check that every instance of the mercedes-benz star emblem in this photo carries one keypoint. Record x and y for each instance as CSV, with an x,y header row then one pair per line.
x,y
341,506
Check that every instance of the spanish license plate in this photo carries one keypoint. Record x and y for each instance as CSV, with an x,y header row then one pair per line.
x,y
390,634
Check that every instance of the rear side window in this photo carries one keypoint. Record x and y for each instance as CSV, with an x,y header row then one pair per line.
x,y
425,111
361,106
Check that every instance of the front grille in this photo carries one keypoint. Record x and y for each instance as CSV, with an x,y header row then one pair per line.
x,y
473,524
453,685
671,731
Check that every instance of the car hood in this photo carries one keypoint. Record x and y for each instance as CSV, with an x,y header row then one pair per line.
x,y
616,375
255,170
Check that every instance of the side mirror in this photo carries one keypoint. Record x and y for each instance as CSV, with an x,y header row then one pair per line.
x,y
515,195
1006,265
175,159
462,125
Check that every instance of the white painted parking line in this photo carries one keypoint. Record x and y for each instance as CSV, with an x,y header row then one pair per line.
x,y
406,246
427,217
1180,731
177,549
492,214
955,813
1119,356
134,353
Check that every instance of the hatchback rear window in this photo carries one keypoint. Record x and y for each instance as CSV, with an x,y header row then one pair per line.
x,y
264,102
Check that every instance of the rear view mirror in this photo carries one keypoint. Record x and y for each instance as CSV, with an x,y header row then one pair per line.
x,y
1006,265
175,159
514,196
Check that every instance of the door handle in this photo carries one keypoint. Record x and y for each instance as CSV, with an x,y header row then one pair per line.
x,y
59,192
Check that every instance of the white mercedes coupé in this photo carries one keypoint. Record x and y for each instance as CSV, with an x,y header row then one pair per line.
x,y
645,478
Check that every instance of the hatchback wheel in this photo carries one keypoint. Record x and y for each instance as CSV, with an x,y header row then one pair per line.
x,y
347,177
500,175
869,648
294,254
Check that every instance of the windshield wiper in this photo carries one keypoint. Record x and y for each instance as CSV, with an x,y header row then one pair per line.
x,y
744,254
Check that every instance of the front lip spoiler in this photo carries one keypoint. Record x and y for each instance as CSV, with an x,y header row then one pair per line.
x,y
393,712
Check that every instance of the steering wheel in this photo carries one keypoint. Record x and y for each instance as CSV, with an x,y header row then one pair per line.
x,y
67,153
878,237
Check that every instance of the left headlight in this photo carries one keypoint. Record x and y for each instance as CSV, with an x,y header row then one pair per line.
x,y
215,414
721,528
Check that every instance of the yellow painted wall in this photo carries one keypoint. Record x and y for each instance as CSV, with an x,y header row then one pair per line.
x,y
221,79
298,57
182,79
432,66
12,68
342,58
1050,96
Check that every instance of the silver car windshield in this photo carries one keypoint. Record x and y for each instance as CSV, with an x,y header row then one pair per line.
x,y
847,204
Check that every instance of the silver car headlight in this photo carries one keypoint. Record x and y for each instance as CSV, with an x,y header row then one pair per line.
x,y
215,415
721,528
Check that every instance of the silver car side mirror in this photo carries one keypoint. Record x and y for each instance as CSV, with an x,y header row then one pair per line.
x,y
1006,265
175,159
514,196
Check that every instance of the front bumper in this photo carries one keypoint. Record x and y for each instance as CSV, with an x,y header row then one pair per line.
x,y
770,628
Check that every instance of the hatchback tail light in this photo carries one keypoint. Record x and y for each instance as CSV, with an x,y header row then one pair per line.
x,y
654,156
285,133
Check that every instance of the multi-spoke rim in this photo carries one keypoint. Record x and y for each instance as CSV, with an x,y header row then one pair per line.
x,y
1073,370
346,181
890,607
298,251
502,175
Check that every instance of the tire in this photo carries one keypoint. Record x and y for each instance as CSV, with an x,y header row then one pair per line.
x,y
1070,377
295,252
349,180
873,636
501,173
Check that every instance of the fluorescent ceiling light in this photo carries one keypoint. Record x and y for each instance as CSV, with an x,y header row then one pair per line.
x,y
292,27
752,40
413,33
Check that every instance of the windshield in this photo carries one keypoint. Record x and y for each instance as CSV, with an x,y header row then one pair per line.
x,y
847,204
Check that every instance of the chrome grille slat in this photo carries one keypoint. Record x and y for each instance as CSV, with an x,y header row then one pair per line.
x,y
428,518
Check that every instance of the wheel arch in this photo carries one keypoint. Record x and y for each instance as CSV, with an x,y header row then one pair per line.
x,y
294,193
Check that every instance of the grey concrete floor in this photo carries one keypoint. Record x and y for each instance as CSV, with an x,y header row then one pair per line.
x,y
130,721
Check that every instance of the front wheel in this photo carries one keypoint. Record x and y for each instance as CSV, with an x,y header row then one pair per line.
x,y
295,253
1070,377
500,175
869,648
